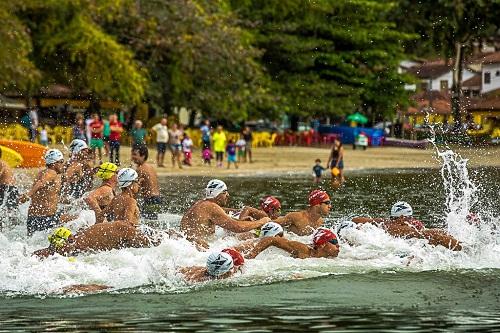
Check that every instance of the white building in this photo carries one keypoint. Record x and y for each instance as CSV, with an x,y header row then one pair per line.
x,y
437,76
490,72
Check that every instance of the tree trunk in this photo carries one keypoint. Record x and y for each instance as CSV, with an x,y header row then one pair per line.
x,y
456,87
192,117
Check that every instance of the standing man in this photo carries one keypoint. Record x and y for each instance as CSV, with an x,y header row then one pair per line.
x,y
205,134
161,130
78,173
102,196
174,137
116,129
138,134
96,136
149,188
219,145
44,195
8,191
247,135
34,124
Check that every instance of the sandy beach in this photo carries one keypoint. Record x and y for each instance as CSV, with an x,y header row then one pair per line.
x,y
300,160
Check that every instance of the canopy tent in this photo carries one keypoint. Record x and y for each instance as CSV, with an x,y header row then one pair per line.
x,y
358,118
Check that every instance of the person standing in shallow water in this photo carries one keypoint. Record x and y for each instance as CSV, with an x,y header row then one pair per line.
x,y
149,189
336,158
44,195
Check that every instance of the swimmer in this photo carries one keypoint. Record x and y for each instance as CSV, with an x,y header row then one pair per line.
x,y
123,207
44,195
306,221
270,229
9,194
148,183
403,224
102,196
199,222
220,265
78,173
269,206
99,237
324,245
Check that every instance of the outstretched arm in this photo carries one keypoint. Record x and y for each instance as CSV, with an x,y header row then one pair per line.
x,y
361,220
439,237
296,249
222,220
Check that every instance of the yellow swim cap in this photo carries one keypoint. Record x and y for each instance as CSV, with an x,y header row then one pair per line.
x,y
106,170
59,237
335,172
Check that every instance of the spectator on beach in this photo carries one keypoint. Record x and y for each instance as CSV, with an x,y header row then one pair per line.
x,y
33,114
44,136
138,134
336,158
219,139
205,133
247,135
96,141
161,130
231,154
79,129
174,137
207,155
240,147
116,129
317,171
105,134
187,149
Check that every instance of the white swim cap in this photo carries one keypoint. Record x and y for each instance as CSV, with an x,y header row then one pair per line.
x,y
214,188
401,208
53,156
77,146
344,226
271,229
219,263
126,177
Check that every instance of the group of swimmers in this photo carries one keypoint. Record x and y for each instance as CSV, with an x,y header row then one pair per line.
x,y
118,214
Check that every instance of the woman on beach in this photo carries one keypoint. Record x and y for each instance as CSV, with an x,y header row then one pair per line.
x,y
336,158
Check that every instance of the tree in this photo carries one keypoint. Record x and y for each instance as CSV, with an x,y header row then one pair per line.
x,y
451,26
329,57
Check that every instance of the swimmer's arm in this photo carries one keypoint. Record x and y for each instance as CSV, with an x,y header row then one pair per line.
x,y
92,200
43,253
439,237
361,220
253,213
296,249
222,220
284,220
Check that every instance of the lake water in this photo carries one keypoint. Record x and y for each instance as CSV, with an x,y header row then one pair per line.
x,y
376,284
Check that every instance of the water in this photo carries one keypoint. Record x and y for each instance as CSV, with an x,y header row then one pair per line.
x,y
377,283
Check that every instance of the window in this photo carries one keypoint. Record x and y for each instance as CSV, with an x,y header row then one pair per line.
x,y
444,85
487,77
497,73
475,93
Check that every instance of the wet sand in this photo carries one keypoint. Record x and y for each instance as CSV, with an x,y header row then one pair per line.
x,y
300,160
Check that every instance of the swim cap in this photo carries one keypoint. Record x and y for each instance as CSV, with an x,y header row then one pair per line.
x,y
322,236
238,259
269,202
214,188
344,226
401,208
59,237
219,263
53,156
77,146
106,170
316,197
126,177
271,229
335,172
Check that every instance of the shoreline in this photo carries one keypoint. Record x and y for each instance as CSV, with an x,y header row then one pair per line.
x,y
290,161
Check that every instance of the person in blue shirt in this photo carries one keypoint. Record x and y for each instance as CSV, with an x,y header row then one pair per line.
x,y
318,171
231,154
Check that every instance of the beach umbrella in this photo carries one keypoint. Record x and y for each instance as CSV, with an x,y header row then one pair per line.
x,y
357,117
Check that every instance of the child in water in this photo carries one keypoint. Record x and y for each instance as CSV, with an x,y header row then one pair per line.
x,y
318,171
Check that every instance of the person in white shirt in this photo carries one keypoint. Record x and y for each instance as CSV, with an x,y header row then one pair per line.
x,y
187,146
161,130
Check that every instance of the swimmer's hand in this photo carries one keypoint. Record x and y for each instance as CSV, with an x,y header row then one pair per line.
x,y
247,218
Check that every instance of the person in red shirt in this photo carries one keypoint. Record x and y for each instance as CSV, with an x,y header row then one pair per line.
x,y
116,128
96,142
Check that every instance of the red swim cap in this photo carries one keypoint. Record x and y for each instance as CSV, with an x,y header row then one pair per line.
x,y
268,203
316,197
322,236
238,259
